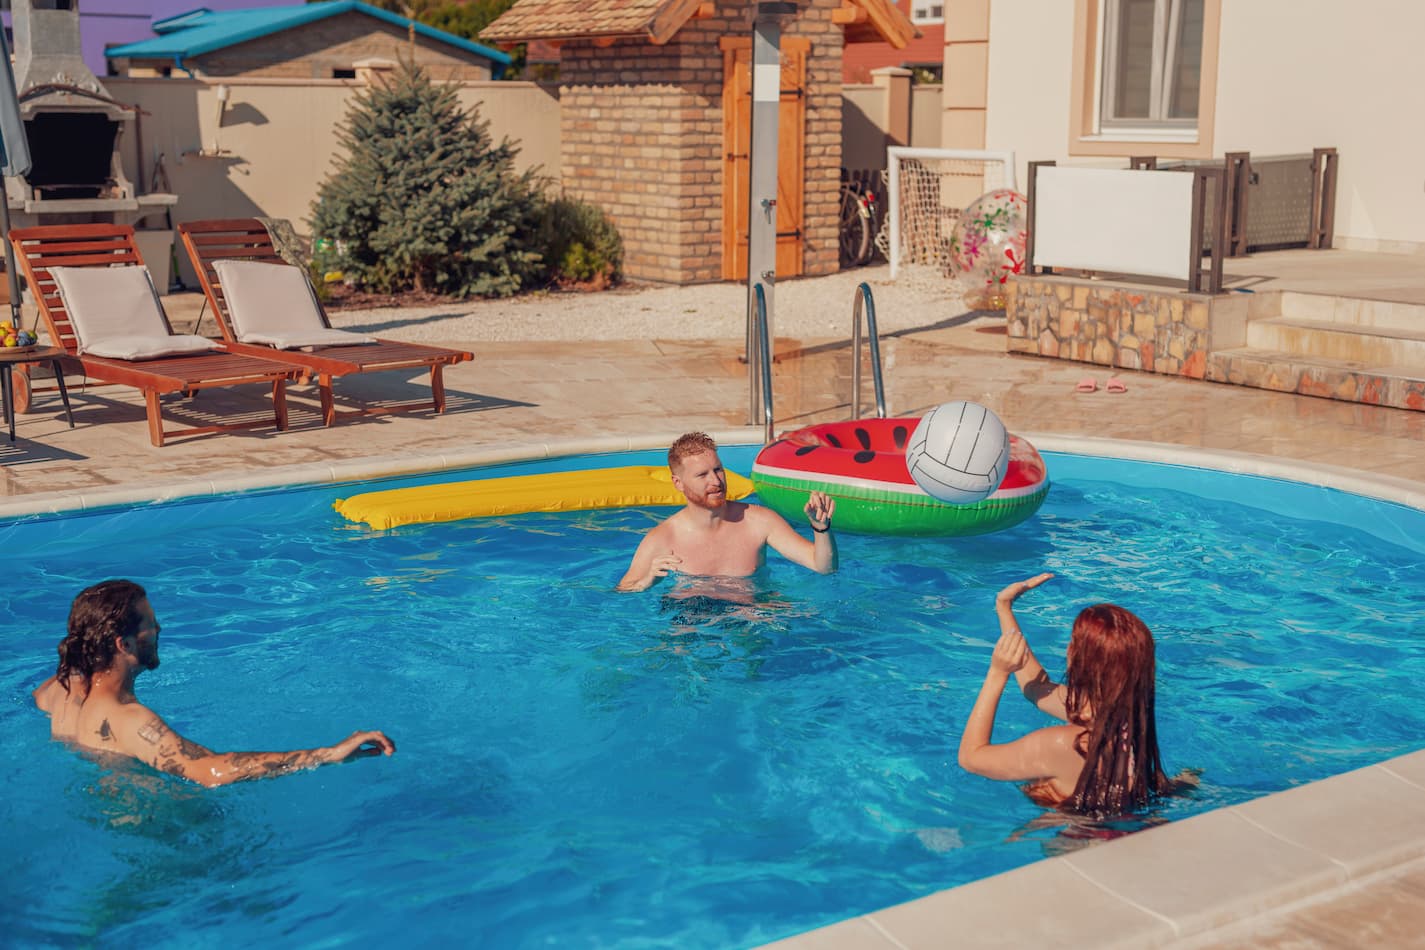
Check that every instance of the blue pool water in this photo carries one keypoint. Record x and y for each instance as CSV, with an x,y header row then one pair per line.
x,y
588,769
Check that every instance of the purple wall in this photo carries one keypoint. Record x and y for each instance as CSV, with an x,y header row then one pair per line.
x,y
105,23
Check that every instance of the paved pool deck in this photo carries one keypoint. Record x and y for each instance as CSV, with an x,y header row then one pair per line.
x,y
1335,863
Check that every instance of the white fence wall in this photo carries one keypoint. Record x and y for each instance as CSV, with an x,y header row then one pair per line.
x,y
1099,219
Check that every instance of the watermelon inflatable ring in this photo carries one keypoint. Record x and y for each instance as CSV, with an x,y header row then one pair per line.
x,y
861,465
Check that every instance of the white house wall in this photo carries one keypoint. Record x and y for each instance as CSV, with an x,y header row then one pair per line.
x,y
1292,75
1295,74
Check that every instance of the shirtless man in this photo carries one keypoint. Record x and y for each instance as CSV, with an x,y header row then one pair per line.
x,y
113,637
714,536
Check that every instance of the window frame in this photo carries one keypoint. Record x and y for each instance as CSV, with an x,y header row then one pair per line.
x,y
927,20
1088,133
1166,33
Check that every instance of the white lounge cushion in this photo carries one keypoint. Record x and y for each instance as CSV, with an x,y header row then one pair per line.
x,y
273,305
151,347
306,339
115,312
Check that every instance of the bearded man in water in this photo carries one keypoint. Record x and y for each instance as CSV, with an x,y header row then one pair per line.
x,y
112,638
712,536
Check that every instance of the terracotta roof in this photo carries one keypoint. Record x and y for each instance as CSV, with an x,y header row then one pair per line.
x,y
659,20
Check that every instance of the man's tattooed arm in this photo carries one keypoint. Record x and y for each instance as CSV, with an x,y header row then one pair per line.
x,y
169,752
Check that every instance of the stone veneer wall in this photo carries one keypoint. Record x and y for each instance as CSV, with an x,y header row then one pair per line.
x,y
1181,334
1161,331
642,138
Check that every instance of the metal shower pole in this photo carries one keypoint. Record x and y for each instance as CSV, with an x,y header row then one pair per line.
x,y
762,180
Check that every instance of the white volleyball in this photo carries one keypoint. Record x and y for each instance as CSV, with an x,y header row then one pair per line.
x,y
958,453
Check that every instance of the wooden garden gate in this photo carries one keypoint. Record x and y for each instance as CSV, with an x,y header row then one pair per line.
x,y
737,154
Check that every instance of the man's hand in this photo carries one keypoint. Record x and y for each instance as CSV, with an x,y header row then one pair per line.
x,y
661,566
819,509
361,745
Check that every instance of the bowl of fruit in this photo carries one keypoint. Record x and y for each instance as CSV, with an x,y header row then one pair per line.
x,y
15,340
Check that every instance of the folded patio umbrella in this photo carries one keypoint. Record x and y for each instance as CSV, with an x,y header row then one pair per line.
x,y
14,160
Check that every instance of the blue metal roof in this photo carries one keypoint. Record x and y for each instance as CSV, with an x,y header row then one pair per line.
x,y
203,31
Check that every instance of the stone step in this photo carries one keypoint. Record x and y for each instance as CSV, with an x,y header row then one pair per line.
x,y
1378,384
1369,345
1352,311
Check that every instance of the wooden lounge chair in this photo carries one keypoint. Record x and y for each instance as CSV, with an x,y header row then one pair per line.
x,y
92,248
247,239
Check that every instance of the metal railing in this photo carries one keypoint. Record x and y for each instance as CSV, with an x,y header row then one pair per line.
x,y
759,357
863,300
1273,201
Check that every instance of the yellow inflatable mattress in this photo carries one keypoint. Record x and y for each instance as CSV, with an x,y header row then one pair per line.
x,y
628,486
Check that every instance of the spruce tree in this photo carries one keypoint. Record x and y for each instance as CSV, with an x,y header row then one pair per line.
x,y
424,199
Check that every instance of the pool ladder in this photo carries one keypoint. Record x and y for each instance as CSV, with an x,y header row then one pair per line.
x,y
865,301
760,354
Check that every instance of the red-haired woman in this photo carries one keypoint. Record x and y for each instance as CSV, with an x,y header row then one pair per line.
x,y
1103,761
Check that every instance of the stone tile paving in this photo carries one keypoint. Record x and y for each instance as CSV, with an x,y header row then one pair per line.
x,y
516,392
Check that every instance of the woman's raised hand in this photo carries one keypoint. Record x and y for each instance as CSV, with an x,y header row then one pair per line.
x,y
1011,652
1011,593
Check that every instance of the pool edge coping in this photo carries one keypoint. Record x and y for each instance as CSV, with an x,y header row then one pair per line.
x,y
70,501
1290,870
1381,487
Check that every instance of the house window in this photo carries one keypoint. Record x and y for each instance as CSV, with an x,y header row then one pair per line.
x,y
927,11
343,73
1151,68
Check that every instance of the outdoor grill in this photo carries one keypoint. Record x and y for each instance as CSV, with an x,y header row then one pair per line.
x,y
74,129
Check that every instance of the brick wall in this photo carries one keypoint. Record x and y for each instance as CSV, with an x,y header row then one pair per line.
x,y
642,138
823,136
315,50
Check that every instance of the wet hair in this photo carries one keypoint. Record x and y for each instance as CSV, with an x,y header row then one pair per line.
x,y
1110,682
100,613
693,443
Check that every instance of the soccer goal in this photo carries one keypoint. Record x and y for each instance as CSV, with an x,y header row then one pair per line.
x,y
926,189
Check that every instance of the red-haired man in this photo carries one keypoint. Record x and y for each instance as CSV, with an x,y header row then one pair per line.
x,y
712,536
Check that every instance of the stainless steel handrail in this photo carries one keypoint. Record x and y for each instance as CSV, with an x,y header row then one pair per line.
x,y
763,354
864,300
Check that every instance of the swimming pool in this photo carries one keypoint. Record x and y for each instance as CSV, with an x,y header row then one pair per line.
x,y
604,770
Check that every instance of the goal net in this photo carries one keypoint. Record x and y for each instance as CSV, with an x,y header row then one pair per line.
x,y
927,188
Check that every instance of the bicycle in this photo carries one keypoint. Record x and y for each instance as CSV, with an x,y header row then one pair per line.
x,y
858,224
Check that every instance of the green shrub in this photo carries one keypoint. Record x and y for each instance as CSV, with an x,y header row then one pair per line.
x,y
424,199
580,244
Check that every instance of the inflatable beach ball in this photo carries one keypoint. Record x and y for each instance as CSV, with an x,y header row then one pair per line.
x,y
987,245
958,453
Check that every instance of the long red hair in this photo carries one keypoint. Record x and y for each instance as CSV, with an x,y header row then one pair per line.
x,y
1110,680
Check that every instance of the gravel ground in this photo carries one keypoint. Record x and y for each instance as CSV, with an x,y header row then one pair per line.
x,y
804,308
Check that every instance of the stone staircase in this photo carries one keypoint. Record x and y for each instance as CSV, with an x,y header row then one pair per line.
x,y
1367,351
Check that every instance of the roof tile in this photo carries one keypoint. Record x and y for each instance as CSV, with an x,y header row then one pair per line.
x,y
563,19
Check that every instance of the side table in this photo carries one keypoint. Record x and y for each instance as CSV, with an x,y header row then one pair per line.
x,y
9,359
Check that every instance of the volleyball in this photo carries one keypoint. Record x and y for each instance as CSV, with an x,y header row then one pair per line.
x,y
958,453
